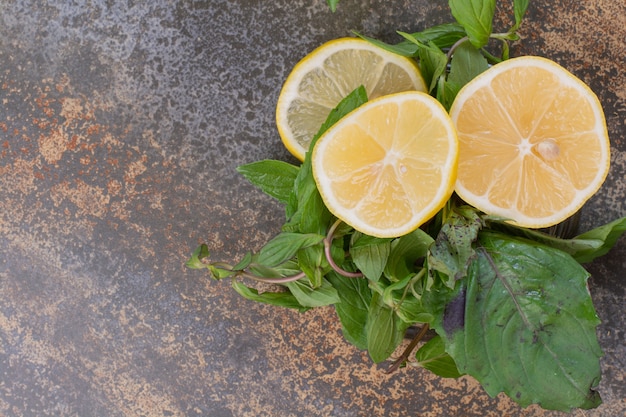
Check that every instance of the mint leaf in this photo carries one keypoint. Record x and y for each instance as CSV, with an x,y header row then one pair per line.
x,y
370,254
355,298
280,299
321,296
433,61
332,4
467,62
519,9
384,328
523,322
284,246
433,356
406,252
441,36
195,261
275,178
476,17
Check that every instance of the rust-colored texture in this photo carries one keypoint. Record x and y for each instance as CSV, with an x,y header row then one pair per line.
x,y
121,125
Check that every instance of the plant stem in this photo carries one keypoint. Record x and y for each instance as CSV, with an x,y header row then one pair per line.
x,y
328,240
407,352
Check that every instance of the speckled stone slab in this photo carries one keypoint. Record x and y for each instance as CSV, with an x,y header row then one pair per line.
x,y
121,125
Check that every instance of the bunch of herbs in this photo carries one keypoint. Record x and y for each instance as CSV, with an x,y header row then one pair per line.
x,y
509,306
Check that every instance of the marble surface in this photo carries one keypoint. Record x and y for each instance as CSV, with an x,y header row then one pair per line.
x,y
121,125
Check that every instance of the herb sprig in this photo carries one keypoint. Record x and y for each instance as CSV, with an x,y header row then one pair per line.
x,y
509,306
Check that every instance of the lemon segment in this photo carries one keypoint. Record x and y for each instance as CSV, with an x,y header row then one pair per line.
x,y
332,71
534,146
388,166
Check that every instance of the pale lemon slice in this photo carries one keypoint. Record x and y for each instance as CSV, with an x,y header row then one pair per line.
x,y
388,166
534,146
325,76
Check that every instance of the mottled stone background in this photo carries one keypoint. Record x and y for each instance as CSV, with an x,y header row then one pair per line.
x,y
121,124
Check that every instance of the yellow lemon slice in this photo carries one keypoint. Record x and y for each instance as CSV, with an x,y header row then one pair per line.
x,y
388,166
534,145
325,76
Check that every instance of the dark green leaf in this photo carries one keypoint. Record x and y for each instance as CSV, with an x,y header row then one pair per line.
x,y
370,254
275,178
433,356
385,330
452,252
324,295
525,325
280,299
406,253
332,4
476,16
284,246
355,298
195,261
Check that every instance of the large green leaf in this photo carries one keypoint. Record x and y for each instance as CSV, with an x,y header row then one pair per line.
x,y
523,322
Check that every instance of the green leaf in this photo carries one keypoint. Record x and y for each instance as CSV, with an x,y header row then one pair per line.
x,y
452,251
467,62
195,261
284,247
406,252
523,322
441,36
519,9
333,5
370,254
433,356
385,330
280,299
607,234
274,178
433,61
324,295
584,247
245,261
355,298
476,16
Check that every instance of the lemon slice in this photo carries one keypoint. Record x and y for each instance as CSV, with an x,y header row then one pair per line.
x,y
534,146
325,76
388,166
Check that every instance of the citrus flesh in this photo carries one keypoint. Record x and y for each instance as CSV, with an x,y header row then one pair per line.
x,y
533,141
325,76
388,166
